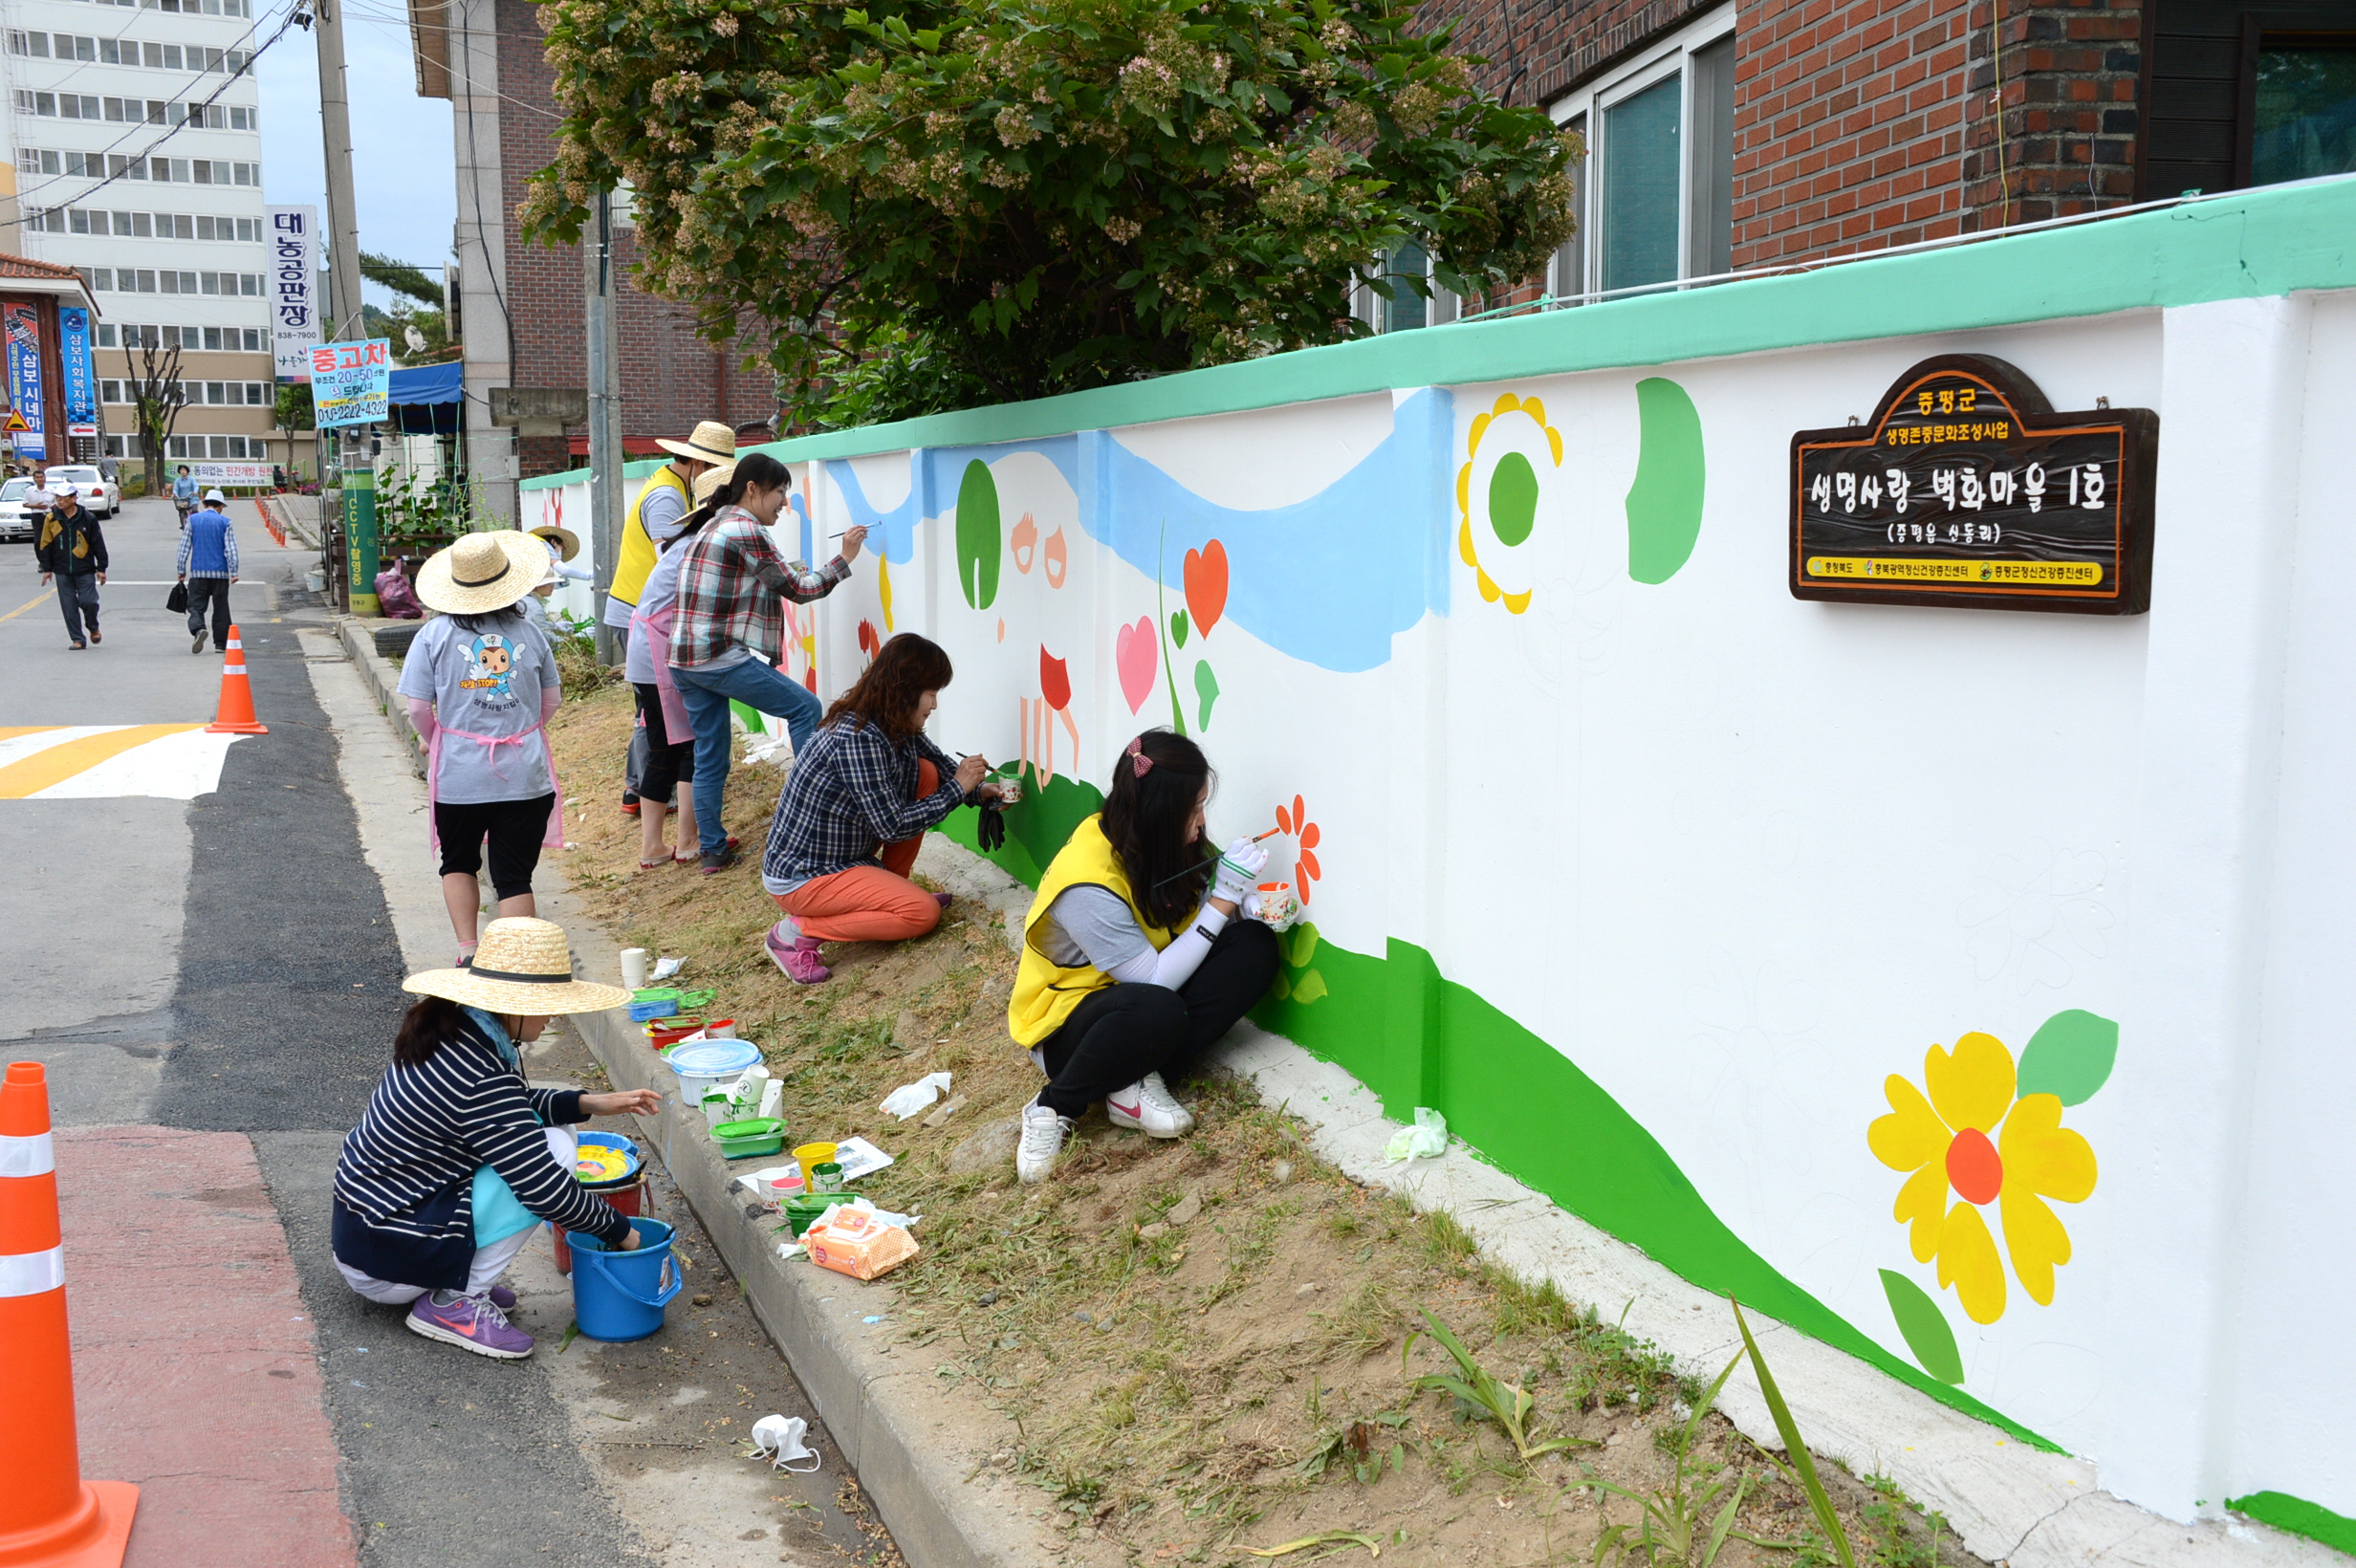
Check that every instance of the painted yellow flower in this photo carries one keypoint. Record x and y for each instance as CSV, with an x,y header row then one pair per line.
x,y
1506,500
1971,1135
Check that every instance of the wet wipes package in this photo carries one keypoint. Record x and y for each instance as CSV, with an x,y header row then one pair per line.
x,y
857,1242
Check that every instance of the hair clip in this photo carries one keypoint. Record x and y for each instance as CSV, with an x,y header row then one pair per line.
x,y
1138,759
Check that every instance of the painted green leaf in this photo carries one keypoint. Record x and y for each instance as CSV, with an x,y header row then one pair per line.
x,y
1665,503
1178,628
1304,944
977,535
1513,499
1282,987
2069,1056
1924,1326
1308,988
1206,687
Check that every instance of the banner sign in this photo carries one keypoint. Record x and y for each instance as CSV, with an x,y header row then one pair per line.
x,y
293,290
1965,487
244,475
351,383
21,321
81,386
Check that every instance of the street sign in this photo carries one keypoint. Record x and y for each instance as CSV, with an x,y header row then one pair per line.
x,y
351,383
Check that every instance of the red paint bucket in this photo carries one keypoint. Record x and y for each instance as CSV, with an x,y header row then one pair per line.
x,y
626,1197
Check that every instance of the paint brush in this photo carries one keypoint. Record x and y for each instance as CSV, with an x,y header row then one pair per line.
x,y
1199,864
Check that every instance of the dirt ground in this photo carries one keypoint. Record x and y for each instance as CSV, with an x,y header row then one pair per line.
x,y
1190,1351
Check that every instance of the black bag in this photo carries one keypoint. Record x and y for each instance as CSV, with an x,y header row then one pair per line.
x,y
177,600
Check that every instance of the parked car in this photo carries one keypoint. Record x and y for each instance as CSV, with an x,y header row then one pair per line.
x,y
96,492
14,523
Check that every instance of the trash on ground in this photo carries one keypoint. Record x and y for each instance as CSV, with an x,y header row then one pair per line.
x,y
1426,1140
940,1117
778,1439
859,1157
909,1099
790,1250
666,968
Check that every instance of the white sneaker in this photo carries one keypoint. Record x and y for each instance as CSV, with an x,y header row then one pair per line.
x,y
1043,1133
1149,1106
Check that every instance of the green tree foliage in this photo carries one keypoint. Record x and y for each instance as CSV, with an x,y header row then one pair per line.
x,y
420,308
1021,197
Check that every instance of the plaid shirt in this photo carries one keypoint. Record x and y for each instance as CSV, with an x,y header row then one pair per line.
x,y
852,792
722,601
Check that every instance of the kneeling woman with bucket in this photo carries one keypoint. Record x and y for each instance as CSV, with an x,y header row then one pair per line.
x,y
456,1158
1133,961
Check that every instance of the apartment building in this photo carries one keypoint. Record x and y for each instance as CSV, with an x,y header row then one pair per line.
x,y
137,151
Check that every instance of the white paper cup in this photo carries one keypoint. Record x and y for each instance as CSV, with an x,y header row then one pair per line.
x,y
635,966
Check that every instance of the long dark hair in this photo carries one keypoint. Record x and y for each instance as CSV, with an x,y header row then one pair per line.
x,y
908,667
753,469
431,1023
1144,820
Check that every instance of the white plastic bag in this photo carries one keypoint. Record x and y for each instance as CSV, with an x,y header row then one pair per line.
x,y
1426,1140
909,1099
778,1439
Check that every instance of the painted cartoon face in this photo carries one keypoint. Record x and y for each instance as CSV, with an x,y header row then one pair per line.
x,y
493,659
491,671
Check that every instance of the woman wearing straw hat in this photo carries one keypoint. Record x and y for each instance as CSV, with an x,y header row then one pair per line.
x,y
457,1157
669,768
481,682
563,544
654,518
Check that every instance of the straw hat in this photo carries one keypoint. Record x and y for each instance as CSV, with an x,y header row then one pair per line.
x,y
708,482
712,443
523,968
566,541
483,572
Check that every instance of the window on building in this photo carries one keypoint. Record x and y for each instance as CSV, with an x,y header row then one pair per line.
x,y
2245,92
1654,197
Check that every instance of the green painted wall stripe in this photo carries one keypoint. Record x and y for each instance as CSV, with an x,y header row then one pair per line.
x,y
2299,1516
639,469
2248,244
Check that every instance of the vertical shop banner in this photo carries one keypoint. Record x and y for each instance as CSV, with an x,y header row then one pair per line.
x,y
21,321
293,290
81,386
351,383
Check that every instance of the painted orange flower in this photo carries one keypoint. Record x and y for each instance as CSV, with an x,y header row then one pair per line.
x,y
1972,1136
1305,835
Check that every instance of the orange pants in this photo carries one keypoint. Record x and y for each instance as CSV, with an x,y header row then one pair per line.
x,y
865,902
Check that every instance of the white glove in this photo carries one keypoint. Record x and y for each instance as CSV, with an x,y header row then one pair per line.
x,y
1239,867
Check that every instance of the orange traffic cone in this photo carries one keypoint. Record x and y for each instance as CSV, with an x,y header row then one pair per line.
x,y
236,714
50,1518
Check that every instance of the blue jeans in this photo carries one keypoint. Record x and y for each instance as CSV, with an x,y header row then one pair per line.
x,y
707,692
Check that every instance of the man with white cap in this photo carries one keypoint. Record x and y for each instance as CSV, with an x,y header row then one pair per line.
x,y
73,552
208,565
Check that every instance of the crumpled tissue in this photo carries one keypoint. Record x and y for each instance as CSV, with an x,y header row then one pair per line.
x,y
666,968
778,1439
909,1099
1426,1140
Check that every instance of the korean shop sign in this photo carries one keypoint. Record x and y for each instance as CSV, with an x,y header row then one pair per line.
x,y
1965,487
351,383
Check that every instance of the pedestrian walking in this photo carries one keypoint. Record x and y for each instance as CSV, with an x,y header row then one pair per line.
x,y
184,493
457,1159
729,629
72,552
481,682
667,777
654,518
208,565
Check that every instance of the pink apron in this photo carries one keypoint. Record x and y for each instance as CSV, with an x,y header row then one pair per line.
x,y
657,625
555,836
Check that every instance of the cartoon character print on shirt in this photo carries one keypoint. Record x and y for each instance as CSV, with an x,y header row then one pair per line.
x,y
490,672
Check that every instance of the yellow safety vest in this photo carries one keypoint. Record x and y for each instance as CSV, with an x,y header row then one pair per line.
x,y
1045,992
638,550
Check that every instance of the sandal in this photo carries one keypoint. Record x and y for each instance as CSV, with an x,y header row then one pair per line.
x,y
695,857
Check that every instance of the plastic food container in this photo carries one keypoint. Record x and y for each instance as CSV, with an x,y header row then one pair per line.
x,y
743,1139
660,1003
666,1032
803,1212
709,1064
826,1178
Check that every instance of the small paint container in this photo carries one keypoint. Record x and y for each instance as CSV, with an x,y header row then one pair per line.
x,y
1010,788
826,1178
716,1108
1278,905
810,1156
782,1187
720,1028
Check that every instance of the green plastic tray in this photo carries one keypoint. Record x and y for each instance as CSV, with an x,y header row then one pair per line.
x,y
743,1139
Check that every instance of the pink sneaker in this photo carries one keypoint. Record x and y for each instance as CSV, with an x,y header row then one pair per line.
x,y
470,1322
797,959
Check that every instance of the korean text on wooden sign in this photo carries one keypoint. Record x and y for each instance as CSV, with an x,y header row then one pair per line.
x,y
1966,488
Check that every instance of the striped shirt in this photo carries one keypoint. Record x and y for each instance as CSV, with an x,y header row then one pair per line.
x,y
428,1127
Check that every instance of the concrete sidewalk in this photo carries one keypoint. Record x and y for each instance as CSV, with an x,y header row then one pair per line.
x,y
193,1370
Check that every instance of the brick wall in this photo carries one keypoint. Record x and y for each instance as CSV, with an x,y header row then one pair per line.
x,y
669,377
2069,112
1538,50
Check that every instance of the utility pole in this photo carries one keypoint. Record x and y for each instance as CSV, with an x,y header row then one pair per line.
x,y
343,294
605,505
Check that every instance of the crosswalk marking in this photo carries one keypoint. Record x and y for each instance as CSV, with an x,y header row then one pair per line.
x,y
175,761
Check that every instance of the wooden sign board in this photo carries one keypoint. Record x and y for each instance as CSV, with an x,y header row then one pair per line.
x,y
1966,488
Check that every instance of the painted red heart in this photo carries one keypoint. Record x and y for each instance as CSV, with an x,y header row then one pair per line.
x,y
1206,578
1054,679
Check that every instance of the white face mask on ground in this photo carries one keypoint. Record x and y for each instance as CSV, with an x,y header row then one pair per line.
x,y
778,1440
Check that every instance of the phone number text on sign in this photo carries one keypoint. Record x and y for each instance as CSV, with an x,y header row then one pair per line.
x,y
1992,499
351,383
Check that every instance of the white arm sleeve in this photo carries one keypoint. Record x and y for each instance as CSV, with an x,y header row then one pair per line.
x,y
1175,965
1098,926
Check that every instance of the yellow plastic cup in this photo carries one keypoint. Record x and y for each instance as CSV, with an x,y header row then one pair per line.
x,y
809,1156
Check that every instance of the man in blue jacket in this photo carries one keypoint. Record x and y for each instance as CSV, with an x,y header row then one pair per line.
x,y
208,565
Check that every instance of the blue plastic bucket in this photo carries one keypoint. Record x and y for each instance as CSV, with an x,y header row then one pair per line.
x,y
619,1297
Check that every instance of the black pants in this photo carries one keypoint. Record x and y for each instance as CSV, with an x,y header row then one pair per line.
x,y
213,592
515,828
78,596
658,776
1120,1033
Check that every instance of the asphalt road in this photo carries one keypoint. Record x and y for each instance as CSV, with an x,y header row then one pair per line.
x,y
229,962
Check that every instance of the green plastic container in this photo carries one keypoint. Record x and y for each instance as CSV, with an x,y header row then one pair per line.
x,y
743,1139
802,1210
